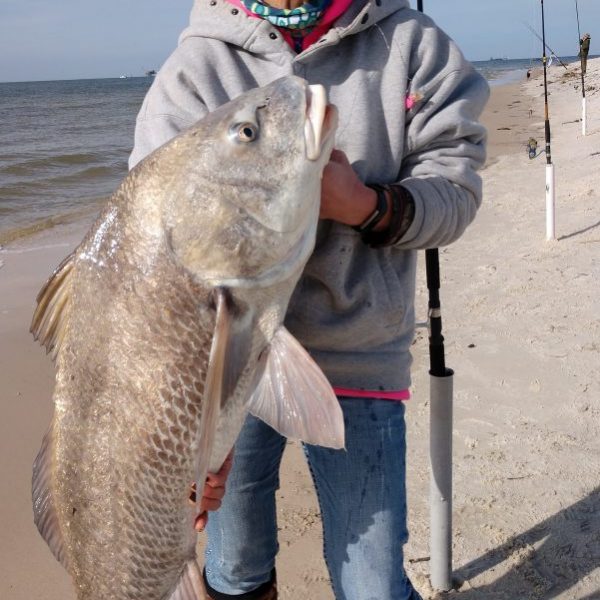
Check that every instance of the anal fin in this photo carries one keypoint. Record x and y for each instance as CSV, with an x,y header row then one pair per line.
x,y
190,586
45,515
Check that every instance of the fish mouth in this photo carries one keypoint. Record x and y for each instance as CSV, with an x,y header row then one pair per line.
x,y
320,123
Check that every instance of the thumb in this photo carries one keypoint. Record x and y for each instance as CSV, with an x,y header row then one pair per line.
x,y
339,156
201,521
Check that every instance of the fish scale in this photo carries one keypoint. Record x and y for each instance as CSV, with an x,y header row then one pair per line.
x,y
150,520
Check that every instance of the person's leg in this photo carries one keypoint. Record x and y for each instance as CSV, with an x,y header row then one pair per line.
x,y
242,534
362,495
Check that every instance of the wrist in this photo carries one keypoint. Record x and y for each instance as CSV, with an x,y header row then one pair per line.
x,y
401,216
373,209
363,204
384,223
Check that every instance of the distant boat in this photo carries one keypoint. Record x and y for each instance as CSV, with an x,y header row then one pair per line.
x,y
123,76
151,73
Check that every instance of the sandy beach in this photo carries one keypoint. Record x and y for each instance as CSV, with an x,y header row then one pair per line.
x,y
522,333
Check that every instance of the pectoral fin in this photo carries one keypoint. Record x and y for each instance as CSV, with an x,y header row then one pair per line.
x,y
214,385
228,356
294,397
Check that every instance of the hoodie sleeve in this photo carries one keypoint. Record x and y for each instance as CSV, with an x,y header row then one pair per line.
x,y
445,143
171,105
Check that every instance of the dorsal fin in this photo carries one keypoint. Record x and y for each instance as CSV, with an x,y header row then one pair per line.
x,y
50,317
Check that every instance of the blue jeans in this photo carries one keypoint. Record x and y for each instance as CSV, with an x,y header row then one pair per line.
x,y
362,498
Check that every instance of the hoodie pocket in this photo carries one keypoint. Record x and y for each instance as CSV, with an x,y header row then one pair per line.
x,y
351,296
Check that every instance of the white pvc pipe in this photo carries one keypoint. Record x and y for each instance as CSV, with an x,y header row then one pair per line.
x,y
583,116
440,450
550,233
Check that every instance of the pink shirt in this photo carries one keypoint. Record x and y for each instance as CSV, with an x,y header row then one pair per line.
x,y
378,394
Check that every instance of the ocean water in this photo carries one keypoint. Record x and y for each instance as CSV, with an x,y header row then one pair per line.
x,y
64,145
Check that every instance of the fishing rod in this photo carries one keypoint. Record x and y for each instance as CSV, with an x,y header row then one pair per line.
x,y
552,53
583,101
440,431
549,166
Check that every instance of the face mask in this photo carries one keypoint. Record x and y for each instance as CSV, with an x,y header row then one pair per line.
x,y
300,20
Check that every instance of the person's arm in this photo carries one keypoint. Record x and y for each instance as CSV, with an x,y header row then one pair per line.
x,y
438,189
445,146
344,197
381,213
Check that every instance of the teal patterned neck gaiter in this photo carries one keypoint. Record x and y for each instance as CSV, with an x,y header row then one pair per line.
x,y
300,20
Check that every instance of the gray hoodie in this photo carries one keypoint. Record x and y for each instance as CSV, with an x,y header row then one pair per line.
x,y
353,309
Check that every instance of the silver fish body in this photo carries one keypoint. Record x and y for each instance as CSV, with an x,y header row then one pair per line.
x,y
166,326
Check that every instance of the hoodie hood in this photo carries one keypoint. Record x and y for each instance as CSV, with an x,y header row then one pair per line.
x,y
224,22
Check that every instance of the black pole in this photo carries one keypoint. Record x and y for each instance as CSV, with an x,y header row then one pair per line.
x,y
546,112
437,359
580,51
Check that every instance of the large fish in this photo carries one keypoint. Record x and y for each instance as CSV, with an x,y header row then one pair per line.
x,y
166,327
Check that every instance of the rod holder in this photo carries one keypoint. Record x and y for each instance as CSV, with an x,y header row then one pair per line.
x,y
440,490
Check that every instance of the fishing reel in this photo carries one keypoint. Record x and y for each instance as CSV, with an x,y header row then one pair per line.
x,y
532,145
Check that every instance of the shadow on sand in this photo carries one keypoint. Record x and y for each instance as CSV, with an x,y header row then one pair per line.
x,y
575,233
547,560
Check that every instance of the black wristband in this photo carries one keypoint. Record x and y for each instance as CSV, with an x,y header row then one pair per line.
x,y
405,219
380,210
403,211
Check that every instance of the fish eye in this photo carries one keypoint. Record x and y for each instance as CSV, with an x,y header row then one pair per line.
x,y
245,132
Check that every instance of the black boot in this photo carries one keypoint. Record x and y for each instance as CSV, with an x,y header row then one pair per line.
x,y
267,591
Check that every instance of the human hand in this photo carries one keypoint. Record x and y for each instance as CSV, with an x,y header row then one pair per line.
x,y
344,198
212,493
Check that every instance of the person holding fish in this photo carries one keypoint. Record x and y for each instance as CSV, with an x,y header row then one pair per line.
x,y
402,177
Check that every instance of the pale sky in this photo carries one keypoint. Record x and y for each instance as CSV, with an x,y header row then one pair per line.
x,y
71,39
